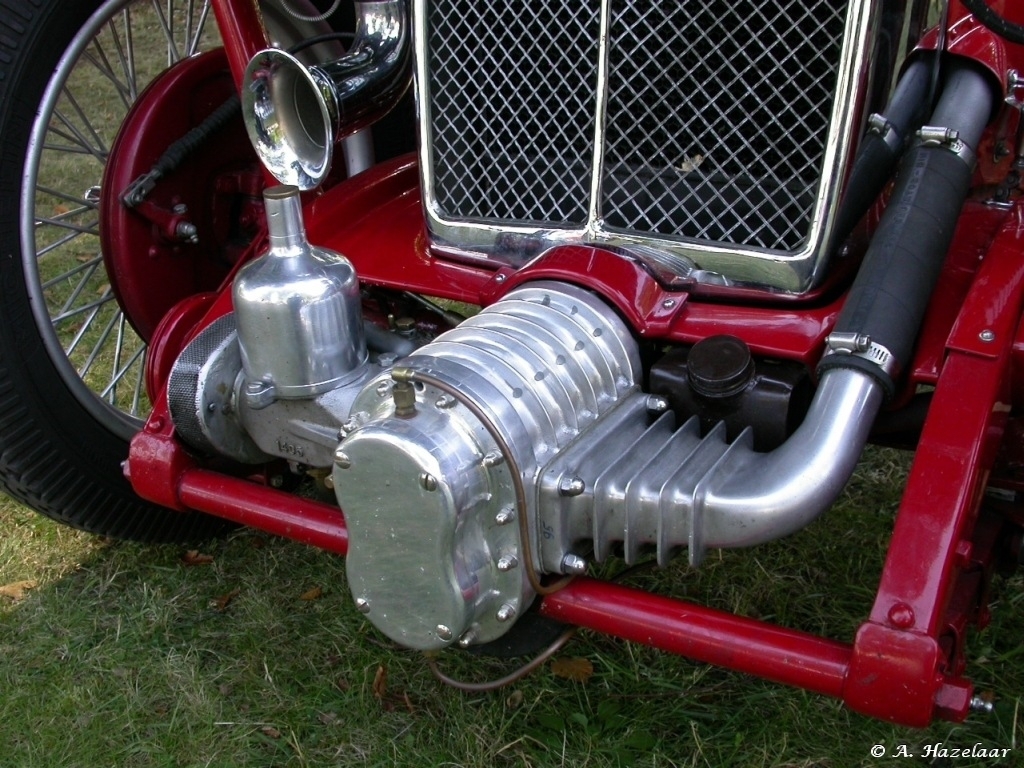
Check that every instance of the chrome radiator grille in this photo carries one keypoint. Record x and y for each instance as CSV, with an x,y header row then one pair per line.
x,y
707,129
512,91
717,117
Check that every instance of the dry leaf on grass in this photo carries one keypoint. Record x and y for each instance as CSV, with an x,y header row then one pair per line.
x,y
195,557
576,669
271,731
16,591
222,602
312,594
380,682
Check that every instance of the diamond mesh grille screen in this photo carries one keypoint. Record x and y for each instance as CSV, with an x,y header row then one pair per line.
x,y
512,90
716,119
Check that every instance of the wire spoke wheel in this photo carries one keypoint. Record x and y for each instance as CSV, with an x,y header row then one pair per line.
x,y
107,64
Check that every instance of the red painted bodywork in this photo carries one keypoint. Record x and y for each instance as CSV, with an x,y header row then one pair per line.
x,y
906,660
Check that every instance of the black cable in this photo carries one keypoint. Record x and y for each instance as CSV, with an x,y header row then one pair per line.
x,y
176,153
993,21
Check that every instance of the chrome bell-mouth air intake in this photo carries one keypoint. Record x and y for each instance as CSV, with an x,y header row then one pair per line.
x,y
295,114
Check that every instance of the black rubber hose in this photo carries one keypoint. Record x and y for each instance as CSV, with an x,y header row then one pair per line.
x,y
989,18
878,152
892,289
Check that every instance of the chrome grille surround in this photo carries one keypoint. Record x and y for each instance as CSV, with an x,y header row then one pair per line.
x,y
709,140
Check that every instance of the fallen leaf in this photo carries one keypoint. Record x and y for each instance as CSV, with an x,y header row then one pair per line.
x,y
514,700
222,602
195,557
61,209
312,594
16,591
83,258
103,289
271,731
380,682
577,669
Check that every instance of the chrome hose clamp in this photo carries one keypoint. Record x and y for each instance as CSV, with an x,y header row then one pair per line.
x,y
860,345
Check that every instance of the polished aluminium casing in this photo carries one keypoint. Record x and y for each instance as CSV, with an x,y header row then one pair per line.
x,y
298,310
710,141
435,551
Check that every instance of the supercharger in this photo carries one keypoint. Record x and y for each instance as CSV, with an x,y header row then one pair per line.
x,y
475,465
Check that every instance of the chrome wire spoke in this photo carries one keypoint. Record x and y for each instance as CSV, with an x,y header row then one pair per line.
x,y
84,329
94,355
70,301
84,201
129,50
204,14
99,60
101,145
57,244
119,373
93,262
75,137
173,56
127,67
139,377
106,298
85,229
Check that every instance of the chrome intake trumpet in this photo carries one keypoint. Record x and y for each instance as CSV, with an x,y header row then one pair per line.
x,y
295,114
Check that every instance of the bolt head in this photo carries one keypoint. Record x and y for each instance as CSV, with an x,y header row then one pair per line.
x,y
574,564
362,605
988,335
571,486
444,632
383,389
428,481
493,459
901,616
445,401
507,612
656,404
507,563
505,516
341,459
467,638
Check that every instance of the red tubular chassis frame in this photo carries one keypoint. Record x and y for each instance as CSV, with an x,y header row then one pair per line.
x,y
905,663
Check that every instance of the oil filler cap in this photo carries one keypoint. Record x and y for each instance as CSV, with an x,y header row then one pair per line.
x,y
719,367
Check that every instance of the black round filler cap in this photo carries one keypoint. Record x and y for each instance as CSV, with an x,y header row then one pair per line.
x,y
719,366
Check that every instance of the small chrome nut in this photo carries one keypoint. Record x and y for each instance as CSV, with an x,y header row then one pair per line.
x,y
507,563
574,565
571,486
493,459
505,516
507,612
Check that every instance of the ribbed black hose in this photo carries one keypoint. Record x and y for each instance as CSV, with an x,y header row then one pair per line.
x,y
892,289
989,18
877,154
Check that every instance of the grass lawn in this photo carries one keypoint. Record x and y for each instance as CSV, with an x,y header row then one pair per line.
x,y
250,653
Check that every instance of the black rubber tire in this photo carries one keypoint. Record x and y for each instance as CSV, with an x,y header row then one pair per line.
x,y
55,456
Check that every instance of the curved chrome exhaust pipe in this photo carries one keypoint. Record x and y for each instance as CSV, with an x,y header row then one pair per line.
x,y
294,114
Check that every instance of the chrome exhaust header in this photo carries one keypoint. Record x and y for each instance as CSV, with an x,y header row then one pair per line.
x,y
295,114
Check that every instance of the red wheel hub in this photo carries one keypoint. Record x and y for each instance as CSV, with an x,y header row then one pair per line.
x,y
195,223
